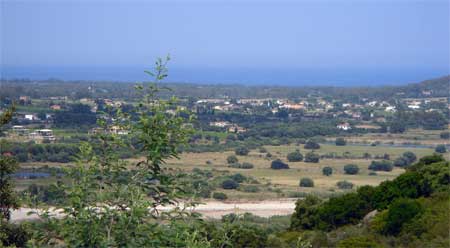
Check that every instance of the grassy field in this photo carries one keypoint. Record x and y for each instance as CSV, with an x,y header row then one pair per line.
x,y
411,136
284,183
288,180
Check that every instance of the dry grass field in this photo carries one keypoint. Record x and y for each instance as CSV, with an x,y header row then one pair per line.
x,y
288,180
281,183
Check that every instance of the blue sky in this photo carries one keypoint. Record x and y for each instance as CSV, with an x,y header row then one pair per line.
x,y
227,34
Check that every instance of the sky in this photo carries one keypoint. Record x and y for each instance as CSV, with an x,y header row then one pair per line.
x,y
365,35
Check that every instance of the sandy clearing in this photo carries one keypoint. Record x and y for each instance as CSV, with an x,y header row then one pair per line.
x,y
211,209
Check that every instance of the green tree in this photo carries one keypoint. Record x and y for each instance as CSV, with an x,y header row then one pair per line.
x,y
310,144
295,156
8,165
440,149
277,164
232,159
327,171
312,157
351,169
242,151
112,203
306,182
400,212
340,141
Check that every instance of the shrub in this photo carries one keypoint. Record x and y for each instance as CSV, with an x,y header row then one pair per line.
x,y
278,164
410,157
250,188
344,185
230,184
445,135
401,162
232,159
295,157
351,169
340,141
13,235
242,151
268,155
312,157
382,165
311,145
219,196
359,241
247,165
305,215
238,177
440,149
327,171
400,212
244,165
262,150
306,182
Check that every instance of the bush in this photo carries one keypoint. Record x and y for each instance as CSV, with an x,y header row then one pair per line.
x,y
13,235
232,159
327,171
344,185
242,151
400,212
230,184
351,169
410,157
382,165
445,135
401,162
250,188
312,157
262,150
311,145
247,165
219,196
359,241
306,182
278,165
440,149
238,177
295,156
340,142
244,165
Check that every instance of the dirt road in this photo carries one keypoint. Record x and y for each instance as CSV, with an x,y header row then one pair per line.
x,y
211,209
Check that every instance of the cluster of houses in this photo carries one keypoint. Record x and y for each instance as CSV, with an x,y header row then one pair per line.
x,y
230,127
39,136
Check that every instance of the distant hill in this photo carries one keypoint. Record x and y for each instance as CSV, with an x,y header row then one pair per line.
x,y
438,87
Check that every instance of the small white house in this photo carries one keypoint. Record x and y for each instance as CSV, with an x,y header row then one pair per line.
x,y
30,117
344,126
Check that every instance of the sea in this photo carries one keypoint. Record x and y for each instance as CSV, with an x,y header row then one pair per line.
x,y
340,77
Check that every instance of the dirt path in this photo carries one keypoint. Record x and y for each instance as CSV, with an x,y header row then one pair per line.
x,y
211,209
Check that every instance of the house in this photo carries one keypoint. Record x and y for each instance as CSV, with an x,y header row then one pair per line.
x,y
117,130
30,117
236,129
293,106
24,98
390,109
413,106
344,126
55,107
19,131
42,136
220,124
